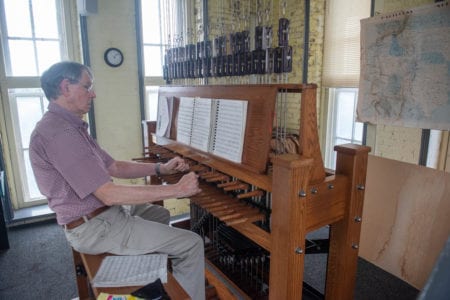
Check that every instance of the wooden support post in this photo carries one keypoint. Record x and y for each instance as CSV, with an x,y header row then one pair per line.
x,y
344,234
308,134
291,175
81,276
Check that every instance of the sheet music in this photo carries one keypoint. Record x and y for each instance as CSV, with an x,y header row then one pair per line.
x,y
201,124
131,270
213,125
164,117
229,129
185,115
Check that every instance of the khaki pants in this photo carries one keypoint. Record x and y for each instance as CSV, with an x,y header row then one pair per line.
x,y
150,212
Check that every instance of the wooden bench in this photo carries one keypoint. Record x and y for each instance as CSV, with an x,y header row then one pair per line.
x,y
86,266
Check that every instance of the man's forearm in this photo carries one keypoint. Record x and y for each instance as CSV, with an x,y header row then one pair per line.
x,y
129,169
120,194
111,193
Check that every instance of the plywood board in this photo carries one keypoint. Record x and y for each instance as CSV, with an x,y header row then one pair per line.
x,y
406,218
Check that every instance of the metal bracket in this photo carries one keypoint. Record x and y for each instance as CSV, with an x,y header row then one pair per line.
x,y
80,270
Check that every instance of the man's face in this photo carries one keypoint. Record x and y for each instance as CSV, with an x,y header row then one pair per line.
x,y
81,94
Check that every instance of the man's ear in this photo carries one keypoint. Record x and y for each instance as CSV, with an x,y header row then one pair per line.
x,y
64,86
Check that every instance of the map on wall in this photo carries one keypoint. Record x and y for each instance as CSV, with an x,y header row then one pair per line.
x,y
405,68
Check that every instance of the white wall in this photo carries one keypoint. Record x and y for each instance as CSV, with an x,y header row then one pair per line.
x,y
117,108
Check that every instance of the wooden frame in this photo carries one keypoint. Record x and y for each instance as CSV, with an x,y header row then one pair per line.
x,y
304,197
305,206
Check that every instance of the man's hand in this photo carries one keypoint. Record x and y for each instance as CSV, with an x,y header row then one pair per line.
x,y
176,164
188,185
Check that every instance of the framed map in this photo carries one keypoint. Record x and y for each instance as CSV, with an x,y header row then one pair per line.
x,y
405,68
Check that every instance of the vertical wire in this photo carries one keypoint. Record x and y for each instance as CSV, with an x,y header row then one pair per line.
x,y
199,31
206,32
285,80
167,24
165,34
173,24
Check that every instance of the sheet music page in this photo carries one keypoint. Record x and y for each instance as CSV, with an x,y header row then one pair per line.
x,y
164,117
185,115
201,124
229,130
131,270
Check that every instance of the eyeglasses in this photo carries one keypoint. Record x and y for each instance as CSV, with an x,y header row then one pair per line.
x,y
88,88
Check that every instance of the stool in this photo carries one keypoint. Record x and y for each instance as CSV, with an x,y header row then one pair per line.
x,y
86,266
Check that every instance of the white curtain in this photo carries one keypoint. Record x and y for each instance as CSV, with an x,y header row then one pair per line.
x,y
342,45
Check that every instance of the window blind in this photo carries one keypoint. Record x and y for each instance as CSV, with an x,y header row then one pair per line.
x,y
341,45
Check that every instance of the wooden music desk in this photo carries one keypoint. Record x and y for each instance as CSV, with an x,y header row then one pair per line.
x,y
91,264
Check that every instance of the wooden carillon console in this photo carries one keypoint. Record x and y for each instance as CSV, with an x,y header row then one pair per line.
x,y
257,206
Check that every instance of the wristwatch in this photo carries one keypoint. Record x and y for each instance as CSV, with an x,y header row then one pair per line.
x,y
157,169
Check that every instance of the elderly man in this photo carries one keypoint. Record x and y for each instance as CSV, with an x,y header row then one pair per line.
x,y
74,173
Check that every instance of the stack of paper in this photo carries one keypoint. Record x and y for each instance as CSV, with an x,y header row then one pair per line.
x,y
216,126
131,270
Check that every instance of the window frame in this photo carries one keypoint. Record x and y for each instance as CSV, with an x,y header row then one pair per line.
x,y
161,43
70,49
331,121
19,147
60,10
149,82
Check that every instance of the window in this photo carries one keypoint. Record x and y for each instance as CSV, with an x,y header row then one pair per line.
x,y
163,24
434,151
154,43
162,27
341,73
33,38
151,94
28,106
342,127
152,37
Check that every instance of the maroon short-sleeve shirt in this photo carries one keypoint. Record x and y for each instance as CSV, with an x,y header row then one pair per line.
x,y
68,164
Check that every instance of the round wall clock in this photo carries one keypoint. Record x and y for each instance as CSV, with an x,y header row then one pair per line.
x,y
113,57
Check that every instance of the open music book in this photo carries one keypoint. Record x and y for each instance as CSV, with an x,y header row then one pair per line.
x,y
216,126
131,270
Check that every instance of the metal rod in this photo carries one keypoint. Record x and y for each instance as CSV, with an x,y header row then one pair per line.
x,y
306,43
